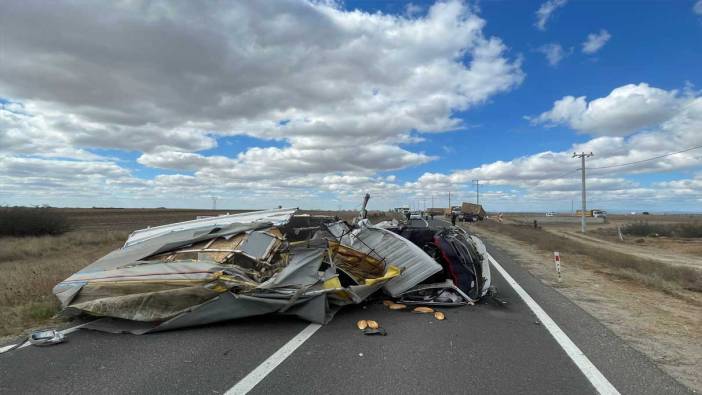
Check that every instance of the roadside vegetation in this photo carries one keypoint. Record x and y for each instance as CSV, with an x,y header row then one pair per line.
x,y
31,266
667,278
645,229
32,221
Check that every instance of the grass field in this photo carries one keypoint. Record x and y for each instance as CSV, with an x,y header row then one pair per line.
x,y
32,266
618,259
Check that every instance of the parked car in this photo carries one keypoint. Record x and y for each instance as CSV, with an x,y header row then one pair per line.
x,y
551,214
415,215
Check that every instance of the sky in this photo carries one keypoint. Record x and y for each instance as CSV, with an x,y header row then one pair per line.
x,y
312,104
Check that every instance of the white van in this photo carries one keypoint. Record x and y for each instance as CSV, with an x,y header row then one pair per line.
x,y
599,213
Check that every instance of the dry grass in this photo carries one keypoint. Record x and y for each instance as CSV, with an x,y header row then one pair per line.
x,y
32,266
652,273
682,230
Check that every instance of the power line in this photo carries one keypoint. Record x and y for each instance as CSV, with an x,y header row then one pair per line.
x,y
645,160
567,173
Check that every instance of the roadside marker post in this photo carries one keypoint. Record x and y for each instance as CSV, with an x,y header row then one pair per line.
x,y
557,261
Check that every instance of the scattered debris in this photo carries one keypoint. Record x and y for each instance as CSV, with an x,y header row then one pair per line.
x,y
440,294
370,328
242,265
439,316
46,337
415,264
377,331
465,267
424,310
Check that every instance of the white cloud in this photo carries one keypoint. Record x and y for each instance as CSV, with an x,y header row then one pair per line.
x,y
548,177
546,10
554,53
595,41
625,110
697,8
273,162
343,89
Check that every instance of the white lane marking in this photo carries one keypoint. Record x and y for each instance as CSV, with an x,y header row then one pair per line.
x,y
596,378
257,375
26,343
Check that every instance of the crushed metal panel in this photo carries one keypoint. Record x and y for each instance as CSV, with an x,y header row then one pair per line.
x,y
415,264
485,264
226,306
67,292
438,294
357,265
303,268
276,217
168,242
259,244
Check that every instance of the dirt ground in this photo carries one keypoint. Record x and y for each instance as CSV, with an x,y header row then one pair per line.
x,y
665,248
666,327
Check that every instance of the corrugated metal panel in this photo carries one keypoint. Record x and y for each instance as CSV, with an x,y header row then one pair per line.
x,y
276,217
416,265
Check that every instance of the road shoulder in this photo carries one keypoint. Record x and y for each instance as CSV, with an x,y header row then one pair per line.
x,y
612,312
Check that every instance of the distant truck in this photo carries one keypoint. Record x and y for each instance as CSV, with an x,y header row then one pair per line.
x,y
453,210
595,213
471,212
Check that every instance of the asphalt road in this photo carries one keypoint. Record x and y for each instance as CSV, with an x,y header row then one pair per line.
x,y
485,348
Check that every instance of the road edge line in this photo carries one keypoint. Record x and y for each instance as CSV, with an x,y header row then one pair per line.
x,y
596,378
266,367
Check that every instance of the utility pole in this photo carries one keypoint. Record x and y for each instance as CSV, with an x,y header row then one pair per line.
x,y
214,202
477,191
582,157
432,201
449,201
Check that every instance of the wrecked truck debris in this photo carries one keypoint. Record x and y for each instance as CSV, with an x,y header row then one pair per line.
x,y
243,265
217,269
465,268
415,264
